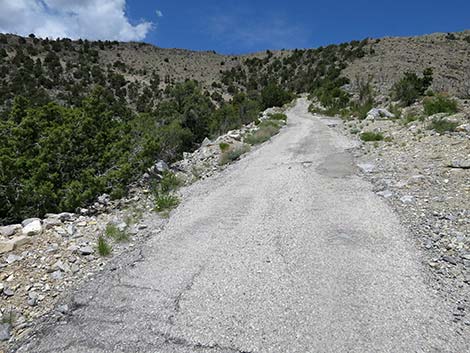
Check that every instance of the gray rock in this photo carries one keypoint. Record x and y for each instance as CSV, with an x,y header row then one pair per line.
x,y
366,167
449,259
67,216
49,223
206,142
462,164
5,331
10,230
14,243
86,250
84,211
377,113
466,256
463,128
12,258
161,166
29,221
386,194
104,199
32,228
71,229
407,199
63,309
61,266
7,291
56,275
121,226
32,298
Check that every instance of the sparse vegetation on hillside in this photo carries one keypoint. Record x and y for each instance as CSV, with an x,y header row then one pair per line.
x,y
55,158
411,87
233,153
97,116
442,125
369,136
439,104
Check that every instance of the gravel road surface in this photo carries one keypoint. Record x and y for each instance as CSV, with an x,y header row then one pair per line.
x,y
287,250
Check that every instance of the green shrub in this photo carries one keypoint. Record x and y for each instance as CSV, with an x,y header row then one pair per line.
x,y
439,104
278,116
411,87
166,202
170,182
274,96
104,249
117,234
233,154
264,133
361,110
371,136
224,146
443,125
410,118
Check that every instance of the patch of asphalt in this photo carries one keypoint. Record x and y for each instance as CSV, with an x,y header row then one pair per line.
x,y
272,255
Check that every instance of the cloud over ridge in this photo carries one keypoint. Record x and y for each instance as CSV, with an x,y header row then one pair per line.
x,y
91,19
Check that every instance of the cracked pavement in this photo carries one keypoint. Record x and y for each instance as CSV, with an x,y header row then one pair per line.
x,y
287,250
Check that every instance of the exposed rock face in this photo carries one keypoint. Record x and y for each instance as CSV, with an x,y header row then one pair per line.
x,y
379,113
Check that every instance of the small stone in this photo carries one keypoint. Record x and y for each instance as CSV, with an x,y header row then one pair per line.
x,y
66,216
71,229
86,250
366,167
61,266
5,331
449,259
407,199
32,298
12,258
49,223
32,228
7,291
121,226
10,230
104,199
386,194
206,142
142,226
56,275
161,166
14,243
29,221
466,256
63,309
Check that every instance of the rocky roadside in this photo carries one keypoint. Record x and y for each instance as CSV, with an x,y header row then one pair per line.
x,y
43,260
425,177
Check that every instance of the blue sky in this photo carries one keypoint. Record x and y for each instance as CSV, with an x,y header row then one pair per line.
x,y
232,26
238,26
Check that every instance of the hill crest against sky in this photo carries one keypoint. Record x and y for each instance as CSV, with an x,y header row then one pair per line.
x,y
232,26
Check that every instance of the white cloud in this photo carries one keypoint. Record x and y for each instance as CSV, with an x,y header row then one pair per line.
x,y
91,19
159,13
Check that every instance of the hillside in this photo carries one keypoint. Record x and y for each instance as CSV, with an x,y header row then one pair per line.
x,y
83,118
130,68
